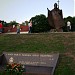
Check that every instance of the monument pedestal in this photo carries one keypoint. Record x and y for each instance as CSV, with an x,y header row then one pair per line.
x,y
56,30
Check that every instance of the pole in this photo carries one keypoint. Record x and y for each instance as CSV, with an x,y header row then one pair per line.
x,y
58,3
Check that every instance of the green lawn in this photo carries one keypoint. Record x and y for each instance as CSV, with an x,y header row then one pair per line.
x,y
63,43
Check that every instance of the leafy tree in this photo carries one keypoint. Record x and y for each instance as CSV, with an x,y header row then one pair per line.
x,y
23,23
69,18
13,23
72,20
4,23
40,23
26,22
73,24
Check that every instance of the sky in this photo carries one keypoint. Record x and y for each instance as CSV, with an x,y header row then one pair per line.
x,y
22,10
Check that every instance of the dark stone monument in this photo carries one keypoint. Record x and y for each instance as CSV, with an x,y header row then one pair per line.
x,y
33,63
55,19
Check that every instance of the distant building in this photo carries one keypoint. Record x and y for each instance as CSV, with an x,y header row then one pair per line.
x,y
14,29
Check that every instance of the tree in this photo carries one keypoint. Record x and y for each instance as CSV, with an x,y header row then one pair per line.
x,y
73,24
72,20
13,23
26,23
40,23
23,23
4,24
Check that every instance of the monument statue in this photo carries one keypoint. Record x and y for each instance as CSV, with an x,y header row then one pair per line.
x,y
55,19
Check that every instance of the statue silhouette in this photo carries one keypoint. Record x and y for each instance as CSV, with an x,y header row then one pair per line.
x,y
55,18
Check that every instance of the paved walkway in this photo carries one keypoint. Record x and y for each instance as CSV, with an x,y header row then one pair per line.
x,y
37,33
16,33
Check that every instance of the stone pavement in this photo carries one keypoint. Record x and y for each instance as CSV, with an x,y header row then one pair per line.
x,y
37,33
16,33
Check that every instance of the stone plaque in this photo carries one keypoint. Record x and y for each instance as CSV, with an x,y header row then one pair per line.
x,y
34,63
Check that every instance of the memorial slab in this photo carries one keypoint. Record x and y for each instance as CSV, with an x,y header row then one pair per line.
x,y
34,63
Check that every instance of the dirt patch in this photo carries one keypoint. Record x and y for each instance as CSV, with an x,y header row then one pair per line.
x,y
70,55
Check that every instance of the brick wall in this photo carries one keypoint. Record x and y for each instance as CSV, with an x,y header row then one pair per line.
x,y
11,29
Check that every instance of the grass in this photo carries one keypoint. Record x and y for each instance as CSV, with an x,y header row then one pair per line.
x,y
63,43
